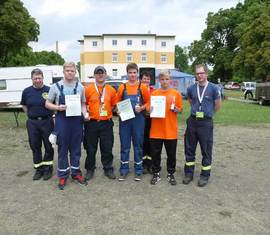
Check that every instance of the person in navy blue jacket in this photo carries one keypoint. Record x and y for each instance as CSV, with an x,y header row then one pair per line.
x,y
204,98
39,125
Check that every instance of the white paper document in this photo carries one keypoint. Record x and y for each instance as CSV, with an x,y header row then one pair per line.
x,y
158,106
125,109
73,103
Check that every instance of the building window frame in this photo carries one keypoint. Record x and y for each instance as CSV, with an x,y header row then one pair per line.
x,y
129,42
163,43
114,42
143,57
114,72
143,42
129,57
163,58
94,43
114,57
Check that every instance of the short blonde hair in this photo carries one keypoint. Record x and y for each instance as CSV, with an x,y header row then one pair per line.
x,y
164,73
69,64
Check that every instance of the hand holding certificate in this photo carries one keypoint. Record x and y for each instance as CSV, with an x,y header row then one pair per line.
x,y
125,110
158,106
73,103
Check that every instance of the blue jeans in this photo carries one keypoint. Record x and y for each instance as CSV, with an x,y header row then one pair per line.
x,y
132,129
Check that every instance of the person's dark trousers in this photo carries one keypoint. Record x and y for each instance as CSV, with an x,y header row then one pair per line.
x,y
147,160
38,132
69,137
198,131
156,148
101,131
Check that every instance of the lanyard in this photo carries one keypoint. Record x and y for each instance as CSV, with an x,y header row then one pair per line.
x,y
200,97
101,94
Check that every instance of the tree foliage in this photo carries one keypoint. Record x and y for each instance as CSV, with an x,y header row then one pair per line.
x,y
181,59
236,41
17,28
26,57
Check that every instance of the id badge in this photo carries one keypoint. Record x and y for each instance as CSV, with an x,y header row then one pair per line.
x,y
199,114
103,113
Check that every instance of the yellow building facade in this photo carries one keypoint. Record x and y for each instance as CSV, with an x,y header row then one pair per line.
x,y
115,51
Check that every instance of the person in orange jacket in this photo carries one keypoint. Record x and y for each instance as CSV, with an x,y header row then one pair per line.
x,y
165,130
100,100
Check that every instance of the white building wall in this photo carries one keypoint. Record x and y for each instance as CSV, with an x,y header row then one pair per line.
x,y
169,45
136,43
88,44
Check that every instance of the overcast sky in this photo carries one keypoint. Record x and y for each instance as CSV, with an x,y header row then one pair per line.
x,y
68,20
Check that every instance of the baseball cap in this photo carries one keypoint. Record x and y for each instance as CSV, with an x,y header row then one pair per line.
x,y
99,68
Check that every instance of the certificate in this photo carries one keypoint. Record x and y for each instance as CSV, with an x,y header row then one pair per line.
x,y
158,106
125,109
74,106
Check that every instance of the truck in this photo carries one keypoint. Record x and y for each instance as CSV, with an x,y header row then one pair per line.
x,y
262,92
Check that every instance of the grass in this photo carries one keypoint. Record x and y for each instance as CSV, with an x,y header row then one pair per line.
x,y
236,113
231,113
234,93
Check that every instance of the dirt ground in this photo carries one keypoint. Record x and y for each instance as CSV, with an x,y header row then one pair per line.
x,y
236,201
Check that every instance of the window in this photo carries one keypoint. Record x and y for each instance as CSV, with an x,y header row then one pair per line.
x,y
94,43
129,42
3,84
143,57
163,58
114,42
143,42
163,44
129,57
114,57
114,72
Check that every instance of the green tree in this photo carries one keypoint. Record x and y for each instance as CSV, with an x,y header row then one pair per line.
x,y
181,58
217,43
236,41
17,28
252,59
26,57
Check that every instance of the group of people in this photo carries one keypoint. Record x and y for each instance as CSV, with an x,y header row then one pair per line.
x,y
74,114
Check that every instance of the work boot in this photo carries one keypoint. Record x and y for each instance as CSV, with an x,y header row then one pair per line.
x,y
79,179
171,179
89,175
62,183
187,179
47,175
122,177
110,174
203,181
38,174
155,179
138,177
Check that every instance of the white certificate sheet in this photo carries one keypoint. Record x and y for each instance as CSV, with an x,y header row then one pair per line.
x,y
73,103
158,106
125,109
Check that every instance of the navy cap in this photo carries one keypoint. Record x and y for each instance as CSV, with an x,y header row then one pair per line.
x,y
99,68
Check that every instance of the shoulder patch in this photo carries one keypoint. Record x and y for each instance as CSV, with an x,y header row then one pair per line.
x,y
45,95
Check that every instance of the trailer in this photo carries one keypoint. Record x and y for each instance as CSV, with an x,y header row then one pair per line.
x,y
13,80
262,93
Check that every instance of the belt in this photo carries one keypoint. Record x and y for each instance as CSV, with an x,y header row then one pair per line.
x,y
98,120
40,118
201,119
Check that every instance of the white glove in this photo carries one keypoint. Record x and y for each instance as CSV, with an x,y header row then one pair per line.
x,y
52,139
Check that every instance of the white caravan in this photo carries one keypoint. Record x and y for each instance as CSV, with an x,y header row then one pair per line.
x,y
14,79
